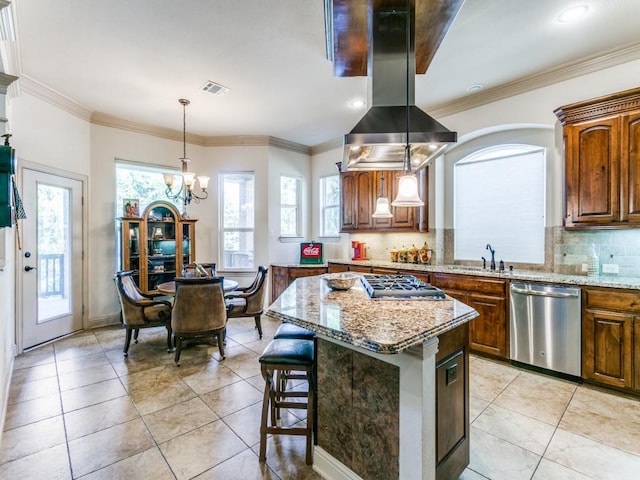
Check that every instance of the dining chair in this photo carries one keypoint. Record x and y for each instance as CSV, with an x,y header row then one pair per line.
x,y
199,312
192,270
249,301
141,310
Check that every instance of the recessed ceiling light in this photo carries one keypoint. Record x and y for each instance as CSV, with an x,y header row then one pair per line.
x,y
357,103
573,13
475,87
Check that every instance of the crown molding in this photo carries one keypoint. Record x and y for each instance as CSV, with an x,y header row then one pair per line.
x,y
558,74
327,146
56,99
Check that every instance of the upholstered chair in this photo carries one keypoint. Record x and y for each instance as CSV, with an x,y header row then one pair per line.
x,y
199,311
141,310
249,301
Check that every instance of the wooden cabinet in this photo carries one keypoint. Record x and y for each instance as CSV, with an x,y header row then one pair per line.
x,y
610,324
359,192
346,267
602,161
283,276
488,332
156,245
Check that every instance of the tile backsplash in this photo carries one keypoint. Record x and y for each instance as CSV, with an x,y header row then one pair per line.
x,y
566,251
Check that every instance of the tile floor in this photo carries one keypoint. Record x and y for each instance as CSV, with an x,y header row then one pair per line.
x,y
79,409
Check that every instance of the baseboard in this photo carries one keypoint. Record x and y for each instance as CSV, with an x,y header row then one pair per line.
x,y
330,468
106,321
6,384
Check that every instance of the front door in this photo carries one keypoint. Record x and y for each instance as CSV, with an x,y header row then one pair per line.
x,y
51,257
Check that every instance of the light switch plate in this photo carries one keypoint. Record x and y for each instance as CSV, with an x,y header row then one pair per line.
x,y
610,268
585,267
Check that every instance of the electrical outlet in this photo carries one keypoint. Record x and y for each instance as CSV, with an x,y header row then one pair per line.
x,y
585,267
610,268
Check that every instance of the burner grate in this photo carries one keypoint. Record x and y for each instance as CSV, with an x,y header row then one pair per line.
x,y
399,287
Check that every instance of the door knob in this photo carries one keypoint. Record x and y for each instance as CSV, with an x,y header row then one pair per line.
x,y
28,268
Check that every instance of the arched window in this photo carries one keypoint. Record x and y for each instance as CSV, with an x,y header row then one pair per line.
x,y
499,199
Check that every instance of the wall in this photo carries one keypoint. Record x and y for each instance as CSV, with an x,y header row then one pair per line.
x,y
530,114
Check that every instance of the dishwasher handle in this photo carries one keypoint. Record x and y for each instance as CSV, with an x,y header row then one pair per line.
x,y
544,294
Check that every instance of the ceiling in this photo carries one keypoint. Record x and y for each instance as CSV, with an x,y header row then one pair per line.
x,y
133,60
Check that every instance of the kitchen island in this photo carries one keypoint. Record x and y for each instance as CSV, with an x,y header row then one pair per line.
x,y
392,381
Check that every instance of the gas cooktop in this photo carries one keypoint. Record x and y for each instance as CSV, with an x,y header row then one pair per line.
x,y
399,287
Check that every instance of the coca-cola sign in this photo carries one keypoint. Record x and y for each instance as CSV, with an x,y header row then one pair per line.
x,y
311,252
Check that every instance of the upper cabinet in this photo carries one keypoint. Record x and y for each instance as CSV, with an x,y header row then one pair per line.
x,y
360,191
156,245
602,161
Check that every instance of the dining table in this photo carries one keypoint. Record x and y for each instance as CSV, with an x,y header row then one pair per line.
x,y
169,288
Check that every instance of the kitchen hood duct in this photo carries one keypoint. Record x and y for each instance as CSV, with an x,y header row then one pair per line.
x,y
378,140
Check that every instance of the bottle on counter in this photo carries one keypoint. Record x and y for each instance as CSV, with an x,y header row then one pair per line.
x,y
402,255
594,263
394,254
412,254
424,254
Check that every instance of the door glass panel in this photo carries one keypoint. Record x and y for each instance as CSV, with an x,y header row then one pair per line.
x,y
54,259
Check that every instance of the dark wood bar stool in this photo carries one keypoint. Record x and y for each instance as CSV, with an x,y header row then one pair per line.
x,y
284,355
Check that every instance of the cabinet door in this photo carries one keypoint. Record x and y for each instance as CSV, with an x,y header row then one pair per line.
x,y
348,209
337,268
488,332
451,409
592,170
279,281
636,353
364,201
130,247
360,268
607,347
305,272
630,168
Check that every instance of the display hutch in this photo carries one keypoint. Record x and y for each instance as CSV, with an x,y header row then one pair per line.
x,y
156,245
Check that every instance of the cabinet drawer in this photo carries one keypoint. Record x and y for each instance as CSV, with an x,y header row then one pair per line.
x,y
608,299
470,283
305,272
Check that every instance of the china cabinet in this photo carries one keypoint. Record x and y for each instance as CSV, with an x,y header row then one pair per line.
x,y
156,245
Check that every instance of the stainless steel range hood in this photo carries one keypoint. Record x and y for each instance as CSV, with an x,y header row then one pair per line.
x,y
378,140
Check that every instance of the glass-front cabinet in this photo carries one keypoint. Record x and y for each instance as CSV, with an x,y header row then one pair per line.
x,y
156,245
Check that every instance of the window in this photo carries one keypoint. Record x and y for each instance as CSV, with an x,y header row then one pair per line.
x,y
499,199
141,182
330,206
237,191
290,211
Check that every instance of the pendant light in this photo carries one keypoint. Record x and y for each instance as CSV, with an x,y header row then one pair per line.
x,y
382,203
408,195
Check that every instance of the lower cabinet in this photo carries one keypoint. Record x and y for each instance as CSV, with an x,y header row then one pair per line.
x,y
488,333
283,276
610,332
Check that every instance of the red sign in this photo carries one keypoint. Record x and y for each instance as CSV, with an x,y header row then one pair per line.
x,y
311,252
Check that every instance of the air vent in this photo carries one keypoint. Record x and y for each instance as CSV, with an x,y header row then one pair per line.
x,y
215,88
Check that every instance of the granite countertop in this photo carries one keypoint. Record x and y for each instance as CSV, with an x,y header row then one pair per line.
x,y
517,274
381,326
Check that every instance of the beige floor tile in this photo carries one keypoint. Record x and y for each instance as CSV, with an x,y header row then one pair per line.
x,y
199,450
591,458
250,339
23,413
286,456
207,377
243,466
87,376
257,381
100,449
246,423
156,389
469,474
488,379
94,418
243,362
50,464
179,419
498,459
77,346
147,465
32,438
81,363
92,394
515,428
476,407
537,396
31,374
31,390
234,397
548,470
38,356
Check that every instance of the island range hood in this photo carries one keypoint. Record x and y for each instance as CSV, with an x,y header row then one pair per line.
x,y
378,140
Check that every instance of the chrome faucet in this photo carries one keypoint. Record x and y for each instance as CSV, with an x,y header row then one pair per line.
x,y
493,257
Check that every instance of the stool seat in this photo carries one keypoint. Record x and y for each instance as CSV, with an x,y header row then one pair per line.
x,y
284,351
289,330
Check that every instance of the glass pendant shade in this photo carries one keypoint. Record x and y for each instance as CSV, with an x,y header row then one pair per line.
x,y
203,180
407,192
382,208
168,179
188,178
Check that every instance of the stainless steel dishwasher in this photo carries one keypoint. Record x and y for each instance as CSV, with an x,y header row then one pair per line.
x,y
545,326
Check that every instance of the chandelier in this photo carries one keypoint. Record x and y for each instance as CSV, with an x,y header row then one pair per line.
x,y
185,182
